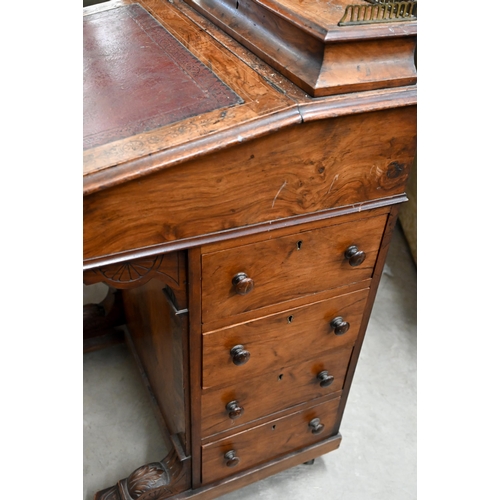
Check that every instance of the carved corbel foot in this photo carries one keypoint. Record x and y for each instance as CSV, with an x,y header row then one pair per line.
x,y
154,481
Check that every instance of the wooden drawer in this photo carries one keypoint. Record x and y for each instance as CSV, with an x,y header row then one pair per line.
x,y
267,441
286,268
279,340
274,391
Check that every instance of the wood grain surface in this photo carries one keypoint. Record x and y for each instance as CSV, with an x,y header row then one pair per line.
x,y
303,169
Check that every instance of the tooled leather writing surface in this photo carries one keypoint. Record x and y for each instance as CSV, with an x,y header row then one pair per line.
x,y
138,77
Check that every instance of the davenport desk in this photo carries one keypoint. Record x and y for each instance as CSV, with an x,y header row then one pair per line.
x,y
244,162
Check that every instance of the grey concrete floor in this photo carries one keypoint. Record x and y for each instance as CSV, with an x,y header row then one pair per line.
x,y
377,459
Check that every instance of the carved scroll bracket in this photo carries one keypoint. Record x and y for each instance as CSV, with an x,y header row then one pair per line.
x,y
169,268
153,481
130,274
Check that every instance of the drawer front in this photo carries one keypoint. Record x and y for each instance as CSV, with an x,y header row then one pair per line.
x,y
246,400
253,276
274,342
265,442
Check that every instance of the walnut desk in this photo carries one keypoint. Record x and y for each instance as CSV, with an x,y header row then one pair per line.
x,y
245,225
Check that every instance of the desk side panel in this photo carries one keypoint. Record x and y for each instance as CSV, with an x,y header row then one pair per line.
x,y
158,331
299,170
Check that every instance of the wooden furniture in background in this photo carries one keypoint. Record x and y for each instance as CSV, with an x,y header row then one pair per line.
x,y
245,224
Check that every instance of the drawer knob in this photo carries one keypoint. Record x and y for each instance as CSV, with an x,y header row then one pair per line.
x,y
231,459
355,256
315,426
234,409
339,326
325,379
242,284
240,355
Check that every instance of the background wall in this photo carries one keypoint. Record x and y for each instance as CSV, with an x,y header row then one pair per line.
x,y
408,213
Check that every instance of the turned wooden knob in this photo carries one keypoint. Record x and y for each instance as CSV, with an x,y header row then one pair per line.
x,y
234,409
242,283
231,459
339,326
239,354
355,256
315,426
324,378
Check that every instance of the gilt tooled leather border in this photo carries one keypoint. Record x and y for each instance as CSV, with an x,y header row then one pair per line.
x,y
138,77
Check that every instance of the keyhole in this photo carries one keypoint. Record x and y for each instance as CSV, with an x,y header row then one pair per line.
x,y
290,319
273,427
280,377
299,244
237,5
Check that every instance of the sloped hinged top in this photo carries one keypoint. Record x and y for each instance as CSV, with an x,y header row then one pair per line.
x,y
157,91
160,89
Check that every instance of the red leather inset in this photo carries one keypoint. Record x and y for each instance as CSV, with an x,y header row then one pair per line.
x,y
138,77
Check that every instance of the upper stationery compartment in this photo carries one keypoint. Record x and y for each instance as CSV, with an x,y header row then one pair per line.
x,y
325,47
